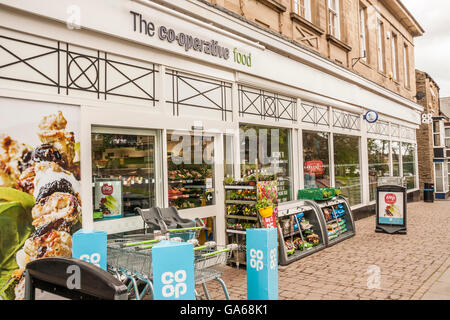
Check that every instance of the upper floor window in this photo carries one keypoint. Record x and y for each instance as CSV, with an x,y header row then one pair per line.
x,y
394,57
406,65
303,8
380,45
334,18
363,32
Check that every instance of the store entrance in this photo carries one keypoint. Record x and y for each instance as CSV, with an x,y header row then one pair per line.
x,y
195,178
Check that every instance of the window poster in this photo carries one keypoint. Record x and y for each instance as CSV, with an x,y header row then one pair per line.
x,y
390,209
40,205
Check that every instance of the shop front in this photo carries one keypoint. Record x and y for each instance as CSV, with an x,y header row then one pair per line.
x,y
159,108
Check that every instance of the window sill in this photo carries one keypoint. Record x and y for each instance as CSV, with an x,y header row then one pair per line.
x,y
306,23
338,42
273,4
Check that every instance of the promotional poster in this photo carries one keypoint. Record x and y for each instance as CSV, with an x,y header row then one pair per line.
x,y
391,208
40,205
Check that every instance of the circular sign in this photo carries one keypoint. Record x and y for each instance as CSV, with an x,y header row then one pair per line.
x,y
390,198
107,189
371,116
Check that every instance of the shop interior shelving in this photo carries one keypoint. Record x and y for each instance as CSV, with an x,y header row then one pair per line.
x,y
338,219
301,230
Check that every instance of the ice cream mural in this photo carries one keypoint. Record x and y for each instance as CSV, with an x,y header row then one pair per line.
x,y
40,205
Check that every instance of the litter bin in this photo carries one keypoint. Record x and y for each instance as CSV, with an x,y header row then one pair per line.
x,y
428,192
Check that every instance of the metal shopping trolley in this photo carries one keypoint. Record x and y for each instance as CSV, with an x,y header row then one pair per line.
x,y
131,262
209,262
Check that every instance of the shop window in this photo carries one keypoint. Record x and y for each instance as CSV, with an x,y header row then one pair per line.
x,y
265,105
347,168
199,97
265,155
190,162
315,114
123,172
378,152
409,164
316,159
395,147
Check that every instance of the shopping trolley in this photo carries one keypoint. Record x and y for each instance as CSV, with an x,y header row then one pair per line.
x,y
131,262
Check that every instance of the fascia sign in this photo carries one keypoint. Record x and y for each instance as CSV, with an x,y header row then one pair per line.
x,y
190,43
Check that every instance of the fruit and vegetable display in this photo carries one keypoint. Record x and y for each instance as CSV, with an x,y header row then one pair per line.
x,y
40,205
318,193
188,185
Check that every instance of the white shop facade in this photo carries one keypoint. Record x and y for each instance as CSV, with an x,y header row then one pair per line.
x,y
149,81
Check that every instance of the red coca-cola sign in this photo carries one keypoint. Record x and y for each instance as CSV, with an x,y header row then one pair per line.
x,y
390,198
107,189
314,167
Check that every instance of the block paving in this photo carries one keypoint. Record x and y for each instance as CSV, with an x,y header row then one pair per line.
x,y
410,265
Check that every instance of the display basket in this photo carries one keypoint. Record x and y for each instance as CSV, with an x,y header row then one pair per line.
x,y
319,194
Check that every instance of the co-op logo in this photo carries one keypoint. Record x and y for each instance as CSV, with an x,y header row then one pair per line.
x,y
390,198
174,284
256,257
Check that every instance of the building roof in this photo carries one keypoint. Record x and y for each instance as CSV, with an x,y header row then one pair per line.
x,y
404,16
445,106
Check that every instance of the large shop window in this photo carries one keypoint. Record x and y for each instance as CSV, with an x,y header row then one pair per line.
x,y
378,152
395,146
190,165
347,168
123,172
409,164
265,152
316,159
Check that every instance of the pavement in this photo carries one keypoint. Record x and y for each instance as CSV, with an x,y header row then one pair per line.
x,y
368,266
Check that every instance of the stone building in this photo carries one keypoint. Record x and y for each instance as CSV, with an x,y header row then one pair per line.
x,y
433,167
374,38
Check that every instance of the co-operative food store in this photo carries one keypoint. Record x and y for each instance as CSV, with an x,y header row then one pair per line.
x,y
138,82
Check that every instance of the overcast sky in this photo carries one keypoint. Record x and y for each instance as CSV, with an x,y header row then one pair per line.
x,y
432,50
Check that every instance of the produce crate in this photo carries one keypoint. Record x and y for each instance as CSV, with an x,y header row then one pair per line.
x,y
318,193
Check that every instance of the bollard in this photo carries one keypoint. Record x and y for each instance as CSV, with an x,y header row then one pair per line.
x,y
90,246
173,271
262,264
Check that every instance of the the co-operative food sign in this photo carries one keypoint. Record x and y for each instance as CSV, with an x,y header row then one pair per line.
x,y
189,42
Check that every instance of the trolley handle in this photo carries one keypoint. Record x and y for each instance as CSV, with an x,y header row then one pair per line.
x,y
185,229
229,248
131,244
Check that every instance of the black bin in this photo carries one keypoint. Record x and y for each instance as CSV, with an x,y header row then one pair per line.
x,y
53,275
428,192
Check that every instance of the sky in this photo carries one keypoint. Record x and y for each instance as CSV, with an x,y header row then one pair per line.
x,y
432,50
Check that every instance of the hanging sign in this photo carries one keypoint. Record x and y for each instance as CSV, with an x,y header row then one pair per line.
x,y
371,116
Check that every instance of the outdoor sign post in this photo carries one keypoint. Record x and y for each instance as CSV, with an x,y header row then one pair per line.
x,y
391,209
262,264
173,271
90,246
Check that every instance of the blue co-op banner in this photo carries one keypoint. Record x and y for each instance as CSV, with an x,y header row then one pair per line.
x,y
90,246
173,271
262,264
